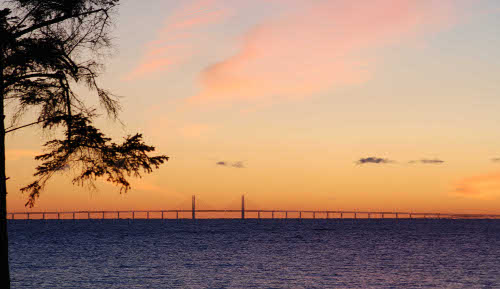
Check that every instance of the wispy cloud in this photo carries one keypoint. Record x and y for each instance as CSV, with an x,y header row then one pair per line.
x,y
324,45
495,160
237,164
427,161
373,160
378,160
173,45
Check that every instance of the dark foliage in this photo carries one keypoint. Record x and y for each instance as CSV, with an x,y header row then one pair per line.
x,y
48,48
94,156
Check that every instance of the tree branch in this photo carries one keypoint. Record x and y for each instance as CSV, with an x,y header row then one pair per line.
x,y
54,21
27,15
48,75
23,126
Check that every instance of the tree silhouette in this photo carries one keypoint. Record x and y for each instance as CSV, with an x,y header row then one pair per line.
x,y
47,49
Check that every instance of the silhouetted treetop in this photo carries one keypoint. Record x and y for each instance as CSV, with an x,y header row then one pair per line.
x,y
94,156
48,48
48,45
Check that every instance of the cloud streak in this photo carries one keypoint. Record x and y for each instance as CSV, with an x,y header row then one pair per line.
x,y
373,160
324,45
427,161
237,164
378,160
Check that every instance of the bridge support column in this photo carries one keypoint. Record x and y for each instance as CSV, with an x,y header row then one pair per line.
x,y
243,207
193,203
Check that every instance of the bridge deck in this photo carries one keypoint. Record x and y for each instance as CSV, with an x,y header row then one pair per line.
x,y
245,214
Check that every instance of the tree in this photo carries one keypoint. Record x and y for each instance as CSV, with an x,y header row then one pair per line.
x,y
47,49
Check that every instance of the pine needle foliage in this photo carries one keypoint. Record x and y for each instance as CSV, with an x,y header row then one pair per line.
x,y
48,48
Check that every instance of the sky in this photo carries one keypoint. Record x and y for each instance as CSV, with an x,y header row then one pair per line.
x,y
298,104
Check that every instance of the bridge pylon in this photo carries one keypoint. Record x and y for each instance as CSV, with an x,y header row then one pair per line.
x,y
193,203
243,207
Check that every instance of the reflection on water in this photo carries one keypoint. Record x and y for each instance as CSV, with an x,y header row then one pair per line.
x,y
255,254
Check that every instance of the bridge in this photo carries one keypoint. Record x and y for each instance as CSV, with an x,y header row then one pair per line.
x,y
243,214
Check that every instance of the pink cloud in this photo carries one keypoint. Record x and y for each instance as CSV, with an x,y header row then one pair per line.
x,y
486,186
172,45
151,65
324,45
209,17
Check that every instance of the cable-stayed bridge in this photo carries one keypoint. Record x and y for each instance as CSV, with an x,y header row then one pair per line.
x,y
242,213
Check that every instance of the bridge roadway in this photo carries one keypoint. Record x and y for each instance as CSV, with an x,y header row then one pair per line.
x,y
257,214
296,214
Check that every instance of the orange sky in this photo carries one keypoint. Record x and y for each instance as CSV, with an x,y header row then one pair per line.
x,y
280,100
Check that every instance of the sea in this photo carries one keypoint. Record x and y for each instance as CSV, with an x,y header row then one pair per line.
x,y
266,253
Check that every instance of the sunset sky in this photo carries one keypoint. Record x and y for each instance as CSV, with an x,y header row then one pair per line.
x,y
299,104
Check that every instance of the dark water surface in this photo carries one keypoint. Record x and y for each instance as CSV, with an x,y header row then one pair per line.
x,y
255,254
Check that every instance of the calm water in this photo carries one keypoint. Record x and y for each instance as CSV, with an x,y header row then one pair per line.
x,y
252,254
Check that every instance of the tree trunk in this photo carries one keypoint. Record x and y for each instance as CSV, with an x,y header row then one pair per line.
x,y
4,241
